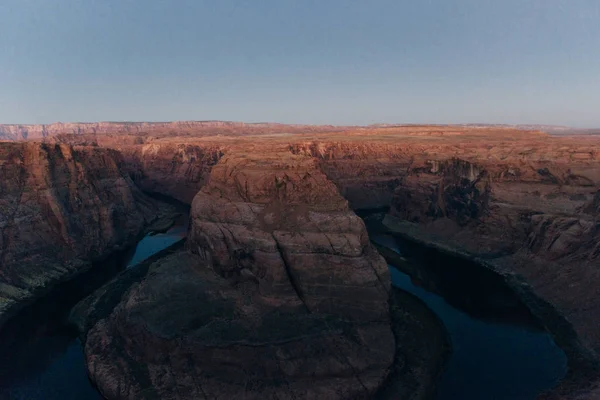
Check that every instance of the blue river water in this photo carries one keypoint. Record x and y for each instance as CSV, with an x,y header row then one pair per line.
x,y
490,360
495,361
48,361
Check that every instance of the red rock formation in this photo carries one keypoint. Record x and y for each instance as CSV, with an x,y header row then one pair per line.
x,y
531,187
526,203
175,170
59,208
534,218
285,299
271,223
276,217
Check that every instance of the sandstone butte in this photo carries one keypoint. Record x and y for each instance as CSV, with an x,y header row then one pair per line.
x,y
278,285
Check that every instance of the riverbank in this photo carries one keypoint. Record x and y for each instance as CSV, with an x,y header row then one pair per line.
x,y
422,349
583,368
14,301
40,354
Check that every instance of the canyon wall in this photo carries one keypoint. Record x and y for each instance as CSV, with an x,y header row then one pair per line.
x,y
523,205
284,296
533,217
275,247
523,199
61,207
175,170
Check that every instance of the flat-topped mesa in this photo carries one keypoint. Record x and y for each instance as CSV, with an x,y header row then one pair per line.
x,y
276,218
38,131
173,128
59,208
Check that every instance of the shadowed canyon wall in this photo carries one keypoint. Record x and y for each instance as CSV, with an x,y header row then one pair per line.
x,y
60,208
294,297
526,206
275,246
175,170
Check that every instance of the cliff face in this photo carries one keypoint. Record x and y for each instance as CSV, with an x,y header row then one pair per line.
x,y
175,170
455,189
366,173
276,217
520,198
59,208
527,203
536,218
284,296
274,247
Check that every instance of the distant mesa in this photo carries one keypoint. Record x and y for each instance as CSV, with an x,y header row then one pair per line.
x,y
17,132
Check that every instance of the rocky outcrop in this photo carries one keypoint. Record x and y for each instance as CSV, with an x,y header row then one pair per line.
x,y
228,343
280,273
525,203
461,194
61,207
365,173
275,217
284,295
539,222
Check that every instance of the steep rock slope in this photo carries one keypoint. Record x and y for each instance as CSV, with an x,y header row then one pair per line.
x,y
276,217
535,218
366,173
523,199
60,207
284,296
176,170
525,203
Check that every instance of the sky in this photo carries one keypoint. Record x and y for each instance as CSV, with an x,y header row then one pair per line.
x,y
301,61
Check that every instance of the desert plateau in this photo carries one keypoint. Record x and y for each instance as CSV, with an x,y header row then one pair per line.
x,y
205,260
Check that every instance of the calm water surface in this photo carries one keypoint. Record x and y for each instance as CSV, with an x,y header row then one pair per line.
x,y
490,360
41,356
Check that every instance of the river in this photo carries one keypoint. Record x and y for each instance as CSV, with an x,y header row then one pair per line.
x,y
499,352
41,356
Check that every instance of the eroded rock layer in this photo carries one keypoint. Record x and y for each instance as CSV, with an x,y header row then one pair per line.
x,y
276,218
173,128
175,170
284,296
61,207
271,231
526,200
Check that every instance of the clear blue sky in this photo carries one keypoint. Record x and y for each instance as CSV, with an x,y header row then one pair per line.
x,y
304,61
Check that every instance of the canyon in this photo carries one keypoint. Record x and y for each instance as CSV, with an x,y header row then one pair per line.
x,y
62,208
278,291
